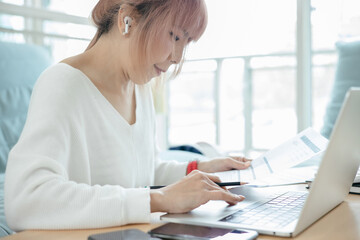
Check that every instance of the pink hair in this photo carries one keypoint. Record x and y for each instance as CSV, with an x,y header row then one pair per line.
x,y
154,19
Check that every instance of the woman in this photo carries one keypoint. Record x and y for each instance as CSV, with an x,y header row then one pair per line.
x,y
87,150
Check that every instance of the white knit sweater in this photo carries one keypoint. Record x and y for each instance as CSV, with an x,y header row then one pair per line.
x,y
78,163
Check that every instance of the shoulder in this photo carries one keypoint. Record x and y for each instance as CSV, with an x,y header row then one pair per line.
x,y
61,80
59,75
59,87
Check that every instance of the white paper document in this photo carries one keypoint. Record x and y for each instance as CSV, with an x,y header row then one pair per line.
x,y
269,168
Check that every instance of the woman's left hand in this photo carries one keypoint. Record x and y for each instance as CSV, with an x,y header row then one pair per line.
x,y
224,164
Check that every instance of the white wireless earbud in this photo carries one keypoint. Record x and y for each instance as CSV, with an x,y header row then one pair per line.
x,y
127,21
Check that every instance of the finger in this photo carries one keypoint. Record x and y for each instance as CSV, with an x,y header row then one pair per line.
x,y
239,165
230,203
212,186
213,178
194,172
202,175
225,196
208,180
241,159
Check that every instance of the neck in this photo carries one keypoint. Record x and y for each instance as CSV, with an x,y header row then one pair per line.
x,y
106,65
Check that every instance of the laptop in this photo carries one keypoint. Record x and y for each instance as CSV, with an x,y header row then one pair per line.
x,y
288,213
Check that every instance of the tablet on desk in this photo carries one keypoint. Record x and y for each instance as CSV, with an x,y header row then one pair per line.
x,y
192,232
122,235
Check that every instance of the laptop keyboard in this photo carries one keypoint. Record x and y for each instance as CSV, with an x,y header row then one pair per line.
x,y
273,213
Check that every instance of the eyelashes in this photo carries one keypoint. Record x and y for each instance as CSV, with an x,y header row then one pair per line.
x,y
176,38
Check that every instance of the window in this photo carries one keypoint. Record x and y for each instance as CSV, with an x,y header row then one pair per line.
x,y
192,104
231,105
79,34
11,22
60,25
253,102
251,94
273,87
80,8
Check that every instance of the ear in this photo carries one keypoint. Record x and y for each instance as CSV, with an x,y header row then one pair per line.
x,y
126,21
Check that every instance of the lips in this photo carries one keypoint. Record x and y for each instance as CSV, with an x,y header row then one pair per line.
x,y
158,70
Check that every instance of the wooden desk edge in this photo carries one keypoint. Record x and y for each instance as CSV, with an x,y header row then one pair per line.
x,y
345,217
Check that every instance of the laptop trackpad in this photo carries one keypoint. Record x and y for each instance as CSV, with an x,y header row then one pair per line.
x,y
253,194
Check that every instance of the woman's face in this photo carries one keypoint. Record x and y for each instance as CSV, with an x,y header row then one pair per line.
x,y
166,51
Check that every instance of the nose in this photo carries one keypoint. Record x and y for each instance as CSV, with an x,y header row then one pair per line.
x,y
177,53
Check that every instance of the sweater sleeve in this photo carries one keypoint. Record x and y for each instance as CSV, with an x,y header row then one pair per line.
x,y
40,197
38,191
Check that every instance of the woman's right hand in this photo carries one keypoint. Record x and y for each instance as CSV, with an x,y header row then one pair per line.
x,y
195,189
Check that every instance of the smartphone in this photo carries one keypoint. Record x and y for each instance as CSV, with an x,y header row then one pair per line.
x,y
193,232
122,235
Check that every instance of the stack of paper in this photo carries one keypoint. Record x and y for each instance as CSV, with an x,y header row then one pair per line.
x,y
277,166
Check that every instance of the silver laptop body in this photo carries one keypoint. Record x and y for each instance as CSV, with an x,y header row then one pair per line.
x,y
334,178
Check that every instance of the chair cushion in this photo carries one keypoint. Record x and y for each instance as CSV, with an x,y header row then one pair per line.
x,y
20,66
347,75
4,228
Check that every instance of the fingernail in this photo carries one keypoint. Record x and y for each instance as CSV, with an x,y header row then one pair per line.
x,y
240,197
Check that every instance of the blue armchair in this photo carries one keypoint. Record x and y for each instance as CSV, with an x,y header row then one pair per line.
x,y
347,75
20,66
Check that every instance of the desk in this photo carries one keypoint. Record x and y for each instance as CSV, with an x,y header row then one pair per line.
x,y
343,222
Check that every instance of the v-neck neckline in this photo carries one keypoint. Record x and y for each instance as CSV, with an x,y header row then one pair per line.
x,y
106,101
